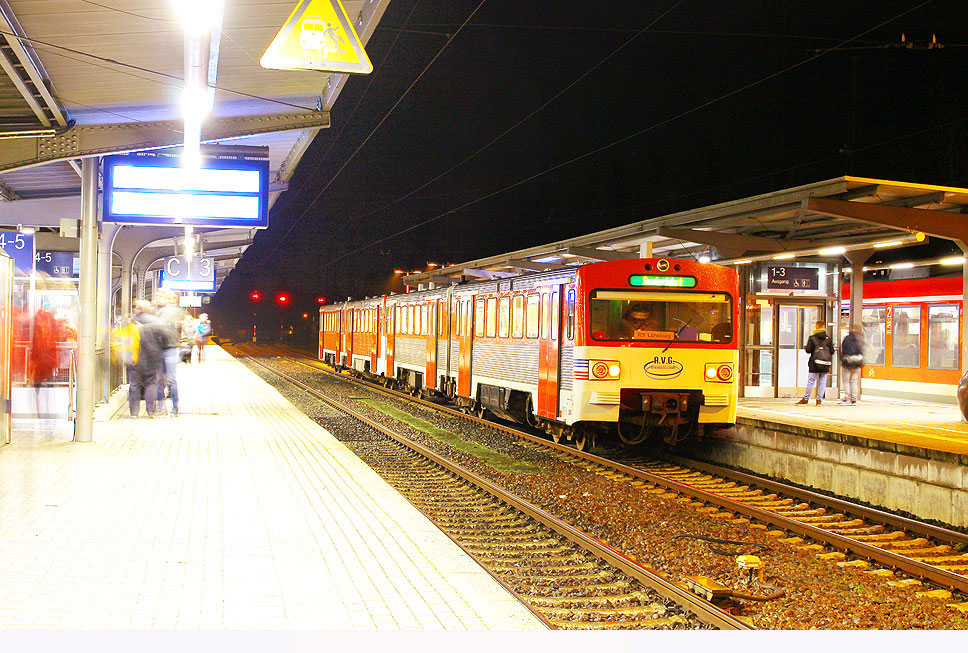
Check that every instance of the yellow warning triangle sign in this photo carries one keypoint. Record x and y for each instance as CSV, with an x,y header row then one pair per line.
x,y
317,36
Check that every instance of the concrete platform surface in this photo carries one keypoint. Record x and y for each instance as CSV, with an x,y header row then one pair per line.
x,y
241,513
937,427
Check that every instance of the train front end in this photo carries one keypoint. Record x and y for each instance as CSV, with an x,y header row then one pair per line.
x,y
656,355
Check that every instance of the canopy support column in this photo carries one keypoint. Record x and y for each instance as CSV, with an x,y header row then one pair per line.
x,y
87,332
857,259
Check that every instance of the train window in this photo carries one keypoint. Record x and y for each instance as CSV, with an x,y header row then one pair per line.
x,y
504,317
571,315
534,301
650,315
545,316
555,317
906,348
517,316
479,318
458,314
943,337
490,317
467,318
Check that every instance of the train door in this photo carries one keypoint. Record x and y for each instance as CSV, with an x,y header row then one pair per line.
x,y
391,331
464,334
373,326
430,326
549,352
795,323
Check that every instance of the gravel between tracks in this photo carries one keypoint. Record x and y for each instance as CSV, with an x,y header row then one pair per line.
x,y
643,525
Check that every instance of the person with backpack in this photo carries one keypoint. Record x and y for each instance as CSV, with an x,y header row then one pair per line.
x,y
852,362
821,352
145,366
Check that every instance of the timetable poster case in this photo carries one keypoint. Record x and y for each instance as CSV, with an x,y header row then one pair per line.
x,y
150,188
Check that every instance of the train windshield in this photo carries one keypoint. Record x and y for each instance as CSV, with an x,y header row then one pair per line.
x,y
649,315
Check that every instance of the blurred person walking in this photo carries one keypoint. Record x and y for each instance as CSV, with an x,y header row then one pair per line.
x,y
171,316
44,355
852,363
143,373
203,330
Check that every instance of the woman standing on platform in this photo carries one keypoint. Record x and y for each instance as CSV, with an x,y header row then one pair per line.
x,y
821,352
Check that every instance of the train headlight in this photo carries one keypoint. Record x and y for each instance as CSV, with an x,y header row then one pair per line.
x,y
719,372
605,370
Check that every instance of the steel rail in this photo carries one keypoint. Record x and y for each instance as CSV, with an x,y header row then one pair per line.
x,y
902,523
705,610
911,567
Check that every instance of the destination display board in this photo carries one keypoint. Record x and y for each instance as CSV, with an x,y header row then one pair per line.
x,y
782,277
154,189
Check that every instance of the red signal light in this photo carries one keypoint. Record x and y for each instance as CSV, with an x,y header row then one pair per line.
x,y
255,296
320,300
282,298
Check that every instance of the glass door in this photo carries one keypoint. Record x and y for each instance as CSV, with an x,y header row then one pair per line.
x,y
759,379
795,324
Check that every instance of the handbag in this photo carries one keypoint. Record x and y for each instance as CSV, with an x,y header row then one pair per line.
x,y
854,360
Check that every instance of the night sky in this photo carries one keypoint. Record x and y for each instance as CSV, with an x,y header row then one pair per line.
x,y
540,121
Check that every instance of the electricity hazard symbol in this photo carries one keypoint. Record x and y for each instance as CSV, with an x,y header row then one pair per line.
x,y
317,36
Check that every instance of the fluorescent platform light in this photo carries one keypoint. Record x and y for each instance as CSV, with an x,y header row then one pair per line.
x,y
889,243
185,205
704,258
782,257
952,260
832,251
129,177
743,262
902,266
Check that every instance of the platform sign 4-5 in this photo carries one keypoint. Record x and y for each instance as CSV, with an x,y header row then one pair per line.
x,y
19,247
189,273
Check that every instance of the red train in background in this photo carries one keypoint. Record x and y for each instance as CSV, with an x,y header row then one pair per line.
x,y
637,348
912,333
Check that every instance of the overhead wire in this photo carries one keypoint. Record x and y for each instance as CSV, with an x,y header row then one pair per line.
x,y
345,123
374,130
629,136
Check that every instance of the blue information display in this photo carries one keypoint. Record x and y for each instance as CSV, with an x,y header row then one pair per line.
x,y
19,247
149,188
57,264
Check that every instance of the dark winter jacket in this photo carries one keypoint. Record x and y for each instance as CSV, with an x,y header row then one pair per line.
x,y
152,338
850,350
821,350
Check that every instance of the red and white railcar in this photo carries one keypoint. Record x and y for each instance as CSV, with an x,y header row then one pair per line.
x,y
560,349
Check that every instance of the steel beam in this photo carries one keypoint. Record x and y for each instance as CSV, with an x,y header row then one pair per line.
x,y
599,254
92,140
933,223
732,242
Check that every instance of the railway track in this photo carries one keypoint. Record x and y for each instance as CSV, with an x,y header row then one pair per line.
x,y
570,579
922,551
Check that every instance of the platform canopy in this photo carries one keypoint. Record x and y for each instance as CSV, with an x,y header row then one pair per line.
x,y
818,219
81,79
